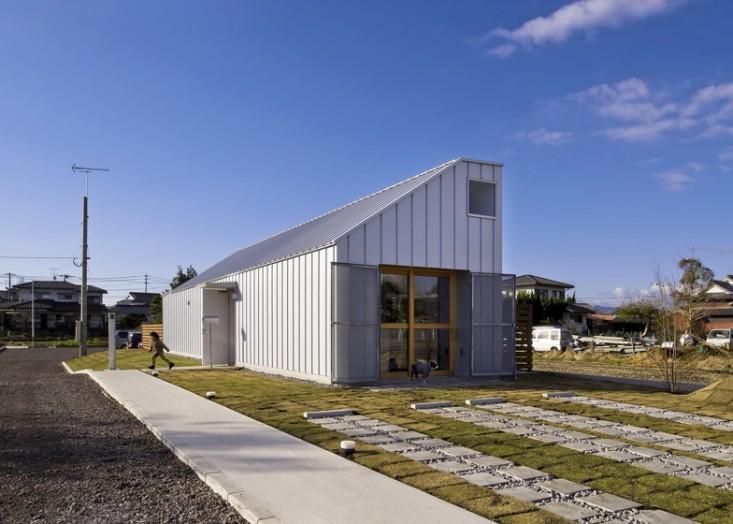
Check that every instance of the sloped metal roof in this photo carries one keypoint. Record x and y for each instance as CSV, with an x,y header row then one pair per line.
x,y
534,280
318,232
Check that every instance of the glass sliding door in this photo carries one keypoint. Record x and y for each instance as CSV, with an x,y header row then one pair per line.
x,y
417,320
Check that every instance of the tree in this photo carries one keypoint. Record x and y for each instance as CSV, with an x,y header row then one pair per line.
x,y
156,309
667,327
642,310
690,291
183,276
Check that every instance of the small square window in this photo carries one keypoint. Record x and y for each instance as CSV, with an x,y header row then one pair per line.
x,y
481,198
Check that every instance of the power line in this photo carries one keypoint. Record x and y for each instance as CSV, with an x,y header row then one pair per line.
x,y
36,257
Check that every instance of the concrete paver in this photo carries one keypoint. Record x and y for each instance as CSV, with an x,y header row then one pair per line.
x,y
271,476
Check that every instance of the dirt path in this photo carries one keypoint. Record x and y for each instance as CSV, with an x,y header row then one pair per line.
x,y
70,454
630,371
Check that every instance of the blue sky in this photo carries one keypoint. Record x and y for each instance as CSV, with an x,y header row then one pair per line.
x,y
226,122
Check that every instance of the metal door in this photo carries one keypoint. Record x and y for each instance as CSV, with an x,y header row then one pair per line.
x,y
492,324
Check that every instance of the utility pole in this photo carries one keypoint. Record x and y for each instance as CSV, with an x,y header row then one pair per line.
x,y
33,313
83,327
9,281
146,283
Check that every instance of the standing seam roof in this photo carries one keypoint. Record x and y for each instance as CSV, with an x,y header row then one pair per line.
x,y
315,233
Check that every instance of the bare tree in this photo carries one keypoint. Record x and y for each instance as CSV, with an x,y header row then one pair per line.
x,y
667,326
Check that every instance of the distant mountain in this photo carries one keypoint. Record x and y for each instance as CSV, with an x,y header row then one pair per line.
x,y
604,309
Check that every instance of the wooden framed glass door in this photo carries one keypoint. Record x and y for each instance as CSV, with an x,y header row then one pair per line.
x,y
417,320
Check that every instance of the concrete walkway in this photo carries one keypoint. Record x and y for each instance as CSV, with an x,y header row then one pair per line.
x,y
268,475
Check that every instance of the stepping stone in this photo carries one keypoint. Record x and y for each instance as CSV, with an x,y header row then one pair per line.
x,y
716,454
354,418
681,445
368,423
339,426
358,433
657,466
326,420
608,502
619,455
646,452
484,401
408,435
431,405
644,438
616,432
584,447
706,479
634,429
521,430
376,440
489,461
562,486
459,451
328,414
570,511
433,443
485,479
422,456
559,394
523,493
724,470
609,443
549,439
690,462
658,516
397,447
704,444
662,436
524,473
451,466
389,428
576,435
604,423
493,424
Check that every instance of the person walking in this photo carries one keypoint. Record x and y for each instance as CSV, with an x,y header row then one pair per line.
x,y
157,348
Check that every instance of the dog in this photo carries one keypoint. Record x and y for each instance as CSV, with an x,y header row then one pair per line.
x,y
422,368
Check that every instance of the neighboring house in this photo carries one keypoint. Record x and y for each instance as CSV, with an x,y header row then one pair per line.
x,y
410,273
542,287
575,318
56,306
719,304
136,303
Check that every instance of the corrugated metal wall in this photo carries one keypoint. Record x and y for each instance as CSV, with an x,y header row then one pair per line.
x,y
182,312
283,316
431,227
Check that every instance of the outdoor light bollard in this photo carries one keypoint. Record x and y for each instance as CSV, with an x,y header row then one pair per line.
x,y
111,341
211,394
347,448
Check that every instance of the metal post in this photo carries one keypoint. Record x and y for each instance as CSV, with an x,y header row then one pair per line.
x,y
112,343
33,313
83,325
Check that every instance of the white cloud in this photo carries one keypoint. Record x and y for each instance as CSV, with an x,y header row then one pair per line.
x,y
648,115
674,179
726,155
544,137
575,17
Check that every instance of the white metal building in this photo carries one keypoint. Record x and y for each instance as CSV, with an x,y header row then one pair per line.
x,y
410,273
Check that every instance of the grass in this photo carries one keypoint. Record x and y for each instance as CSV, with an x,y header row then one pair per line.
x,y
280,403
126,359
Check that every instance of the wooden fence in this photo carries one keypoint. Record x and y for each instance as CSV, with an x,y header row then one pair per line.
x,y
523,337
146,329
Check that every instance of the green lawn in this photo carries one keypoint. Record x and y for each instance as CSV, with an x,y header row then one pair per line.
x,y
280,403
127,359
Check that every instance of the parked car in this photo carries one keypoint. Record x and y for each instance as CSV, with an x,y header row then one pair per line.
x,y
134,339
551,338
121,338
720,338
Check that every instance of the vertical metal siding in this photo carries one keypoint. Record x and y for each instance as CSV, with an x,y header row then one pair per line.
x,y
182,314
282,317
431,227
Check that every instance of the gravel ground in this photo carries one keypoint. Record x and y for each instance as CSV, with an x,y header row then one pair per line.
x,y
70,454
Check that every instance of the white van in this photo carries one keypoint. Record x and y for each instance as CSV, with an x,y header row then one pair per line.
x,y
720,338
551,338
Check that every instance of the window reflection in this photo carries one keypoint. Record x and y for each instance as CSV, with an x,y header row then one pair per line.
x,y
394,299
432,299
